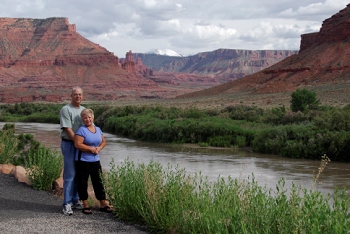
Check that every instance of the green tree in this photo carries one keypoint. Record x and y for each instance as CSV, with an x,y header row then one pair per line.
x,y
303,99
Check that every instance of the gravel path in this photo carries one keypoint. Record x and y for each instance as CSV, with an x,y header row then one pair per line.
x,y
26,210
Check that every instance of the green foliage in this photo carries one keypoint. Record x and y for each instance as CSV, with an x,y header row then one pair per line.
x,y
169,124
271,131
43,167
13,148
170,201
30,112
38,112
8,146
308,134
251,114
303,99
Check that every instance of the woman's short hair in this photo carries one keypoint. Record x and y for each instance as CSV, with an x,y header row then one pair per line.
x,y
86,111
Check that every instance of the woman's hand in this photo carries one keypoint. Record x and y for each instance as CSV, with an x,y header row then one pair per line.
x,y
97,150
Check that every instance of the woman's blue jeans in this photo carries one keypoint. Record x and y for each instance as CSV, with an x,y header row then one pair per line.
x,y
70,185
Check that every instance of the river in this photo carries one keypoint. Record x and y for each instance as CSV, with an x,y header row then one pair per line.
x,y
267,169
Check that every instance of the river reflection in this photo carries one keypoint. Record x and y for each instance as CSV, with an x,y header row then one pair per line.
x,y
267,169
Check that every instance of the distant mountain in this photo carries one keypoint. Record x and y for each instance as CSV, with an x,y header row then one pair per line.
x,y
323,59
224,64
166,52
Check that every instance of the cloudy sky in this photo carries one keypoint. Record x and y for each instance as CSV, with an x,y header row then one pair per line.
x,y
184,26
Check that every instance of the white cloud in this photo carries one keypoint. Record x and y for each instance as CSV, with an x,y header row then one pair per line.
x,y
184,26
316,10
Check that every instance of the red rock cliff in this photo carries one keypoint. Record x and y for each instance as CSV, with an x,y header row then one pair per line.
x,y
334,29
41,59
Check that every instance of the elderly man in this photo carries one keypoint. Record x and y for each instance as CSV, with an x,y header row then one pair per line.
x,y
70,121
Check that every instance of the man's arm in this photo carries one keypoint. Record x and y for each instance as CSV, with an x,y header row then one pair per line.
x,y
70,133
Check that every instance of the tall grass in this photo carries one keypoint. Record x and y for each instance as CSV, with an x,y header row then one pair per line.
x,y
171,201
42,164
8,144
43,167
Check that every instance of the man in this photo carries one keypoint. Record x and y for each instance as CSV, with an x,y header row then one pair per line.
x,y
70,121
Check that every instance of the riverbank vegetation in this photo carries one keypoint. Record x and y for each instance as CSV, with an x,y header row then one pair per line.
x,y
279,131
306,129
43,165
171,201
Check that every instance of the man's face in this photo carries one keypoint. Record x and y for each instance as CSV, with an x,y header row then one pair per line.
x,y
77,97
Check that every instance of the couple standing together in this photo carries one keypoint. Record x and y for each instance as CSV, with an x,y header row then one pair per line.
x,y
81,144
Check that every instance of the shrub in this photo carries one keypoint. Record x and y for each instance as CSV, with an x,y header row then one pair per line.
x,y
303,99
43,167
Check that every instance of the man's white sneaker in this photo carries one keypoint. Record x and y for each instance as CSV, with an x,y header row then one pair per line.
x,y
77,206
67,209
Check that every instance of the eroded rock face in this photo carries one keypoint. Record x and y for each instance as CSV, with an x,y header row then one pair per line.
x,y
42,59
223,64
334,29
323,59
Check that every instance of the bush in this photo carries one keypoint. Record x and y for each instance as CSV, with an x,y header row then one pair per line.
x,y
303,99
43,167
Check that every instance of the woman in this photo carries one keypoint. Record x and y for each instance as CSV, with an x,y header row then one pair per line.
x,y
89,141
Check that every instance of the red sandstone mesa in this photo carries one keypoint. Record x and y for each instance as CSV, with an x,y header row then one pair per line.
x,y
41,59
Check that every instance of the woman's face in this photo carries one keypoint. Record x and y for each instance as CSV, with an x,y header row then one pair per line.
x,y
88,119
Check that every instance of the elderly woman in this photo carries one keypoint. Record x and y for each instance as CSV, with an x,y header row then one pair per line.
x,y
89,141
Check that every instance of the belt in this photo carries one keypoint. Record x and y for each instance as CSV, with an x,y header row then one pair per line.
x,y
66,140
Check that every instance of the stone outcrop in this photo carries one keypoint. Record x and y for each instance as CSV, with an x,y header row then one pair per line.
x,y
7,169
128,64
323,59
142,69
20,174
137,68
42,59
334,29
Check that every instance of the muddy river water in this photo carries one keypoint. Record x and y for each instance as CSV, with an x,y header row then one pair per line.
x,y
267,169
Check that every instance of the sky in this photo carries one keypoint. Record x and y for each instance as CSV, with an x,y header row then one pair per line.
x,y
184,26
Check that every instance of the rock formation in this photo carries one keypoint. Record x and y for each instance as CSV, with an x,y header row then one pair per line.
x,y
42,59
323,59
128,64
334,29
223,64
142,69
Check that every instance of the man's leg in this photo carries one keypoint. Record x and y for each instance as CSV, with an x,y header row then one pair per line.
x,y
70,188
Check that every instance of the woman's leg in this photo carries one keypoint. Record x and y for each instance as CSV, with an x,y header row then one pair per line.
x,y
98,187
83,172
97,181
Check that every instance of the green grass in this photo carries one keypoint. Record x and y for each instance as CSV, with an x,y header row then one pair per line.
x,y
170,201
42,164
43,167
